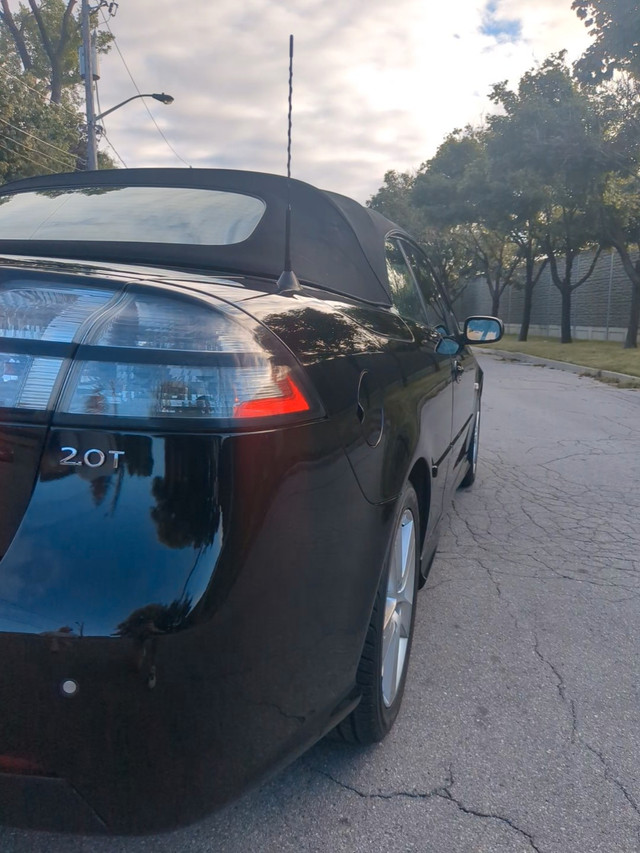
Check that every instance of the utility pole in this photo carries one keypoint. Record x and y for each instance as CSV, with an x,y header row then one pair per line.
x,y
92,148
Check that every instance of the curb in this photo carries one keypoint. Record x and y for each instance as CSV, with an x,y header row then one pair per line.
x,y
581,370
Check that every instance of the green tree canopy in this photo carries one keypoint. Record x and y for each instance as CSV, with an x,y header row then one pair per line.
x,y
552,131
36,136
45,36
447,253
458,189
42,125
615,28
620,202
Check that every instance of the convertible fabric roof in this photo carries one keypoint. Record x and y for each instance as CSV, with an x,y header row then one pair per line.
x,y
336,243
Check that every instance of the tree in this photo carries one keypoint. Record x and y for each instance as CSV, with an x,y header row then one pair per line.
x,y
445,250
42,127
620,202
450,262
496,258
46,37
516,192
393,200
36,137
615,28
554,132
621,217
455,191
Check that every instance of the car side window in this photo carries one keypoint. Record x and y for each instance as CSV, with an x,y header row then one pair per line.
x,y
437,310
404,292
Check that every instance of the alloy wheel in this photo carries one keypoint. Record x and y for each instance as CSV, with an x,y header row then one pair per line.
x,y
398,607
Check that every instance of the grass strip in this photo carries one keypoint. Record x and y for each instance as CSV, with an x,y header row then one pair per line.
x,y
601,355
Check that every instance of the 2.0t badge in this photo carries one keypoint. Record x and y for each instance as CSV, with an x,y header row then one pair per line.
x,y
92,458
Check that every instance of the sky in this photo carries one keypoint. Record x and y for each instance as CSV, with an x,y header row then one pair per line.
x,y
377,84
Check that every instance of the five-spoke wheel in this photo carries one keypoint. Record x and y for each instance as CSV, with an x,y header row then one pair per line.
x,y
383,666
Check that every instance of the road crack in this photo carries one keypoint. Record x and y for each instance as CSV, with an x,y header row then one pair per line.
x,y
490,816
609,776
392,795
576,737
443,792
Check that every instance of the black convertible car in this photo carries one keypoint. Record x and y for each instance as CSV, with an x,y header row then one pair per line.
x,y
224,456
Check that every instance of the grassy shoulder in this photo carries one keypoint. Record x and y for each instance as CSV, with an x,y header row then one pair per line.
x,y
601,355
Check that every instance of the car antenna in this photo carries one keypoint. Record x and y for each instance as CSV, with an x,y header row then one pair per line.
x,y
288,281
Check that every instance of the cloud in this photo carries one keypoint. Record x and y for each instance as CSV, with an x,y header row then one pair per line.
x,y
502,29
377,85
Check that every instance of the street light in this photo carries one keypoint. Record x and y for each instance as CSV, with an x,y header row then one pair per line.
x,y
162,97
92,155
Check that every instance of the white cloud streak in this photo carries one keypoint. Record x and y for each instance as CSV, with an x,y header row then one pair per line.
x,y
377,85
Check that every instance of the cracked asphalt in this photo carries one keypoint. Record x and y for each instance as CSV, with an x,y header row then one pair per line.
x,y
520,726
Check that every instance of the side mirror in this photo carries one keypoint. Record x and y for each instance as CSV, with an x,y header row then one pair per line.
x,y
482,330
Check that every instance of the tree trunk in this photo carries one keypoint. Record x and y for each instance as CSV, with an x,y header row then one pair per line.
x,y
7,18
531,279
563,283
526,309
530,282
495,302
633,273
56,82
565,323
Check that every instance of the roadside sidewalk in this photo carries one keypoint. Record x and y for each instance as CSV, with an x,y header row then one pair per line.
x,y
581,370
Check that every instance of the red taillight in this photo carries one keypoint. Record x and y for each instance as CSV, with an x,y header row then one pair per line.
x,y
143,353
290,401
20,766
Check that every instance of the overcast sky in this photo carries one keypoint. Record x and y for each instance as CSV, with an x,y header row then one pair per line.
x,y
377,83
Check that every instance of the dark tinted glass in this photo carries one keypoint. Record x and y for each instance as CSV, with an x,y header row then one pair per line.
x,y
438,314
404,293
181,215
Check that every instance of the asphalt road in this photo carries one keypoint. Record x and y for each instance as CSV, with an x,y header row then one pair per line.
x,y
520,729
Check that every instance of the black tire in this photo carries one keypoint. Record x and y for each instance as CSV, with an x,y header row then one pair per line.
x,y
472,453
381,690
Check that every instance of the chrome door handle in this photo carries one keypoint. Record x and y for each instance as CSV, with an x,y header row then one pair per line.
x,y
458,369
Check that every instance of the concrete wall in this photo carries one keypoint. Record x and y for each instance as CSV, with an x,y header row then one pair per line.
x,y
599,310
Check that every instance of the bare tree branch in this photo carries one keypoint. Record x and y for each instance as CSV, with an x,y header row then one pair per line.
x,y
7,19
44,35
65,32
592,266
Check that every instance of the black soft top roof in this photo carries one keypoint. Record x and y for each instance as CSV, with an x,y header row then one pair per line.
x,y
336,243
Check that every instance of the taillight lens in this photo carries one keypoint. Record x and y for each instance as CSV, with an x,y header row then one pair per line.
x,y
26,382
235,390
14,764
31,310
49,314
148,355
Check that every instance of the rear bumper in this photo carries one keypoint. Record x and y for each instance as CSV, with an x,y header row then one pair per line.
x,y
211,610
34,801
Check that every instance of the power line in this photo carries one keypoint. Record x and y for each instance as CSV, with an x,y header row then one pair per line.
x,y
48,157
42,154
28,159
169,145
104,132
66,164
112,147
44,142
37,92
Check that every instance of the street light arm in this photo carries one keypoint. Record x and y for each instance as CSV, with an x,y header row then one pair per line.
x,y
165,99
